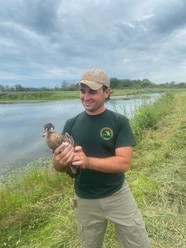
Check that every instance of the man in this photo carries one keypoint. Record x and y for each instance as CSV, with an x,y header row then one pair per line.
x,y
104,143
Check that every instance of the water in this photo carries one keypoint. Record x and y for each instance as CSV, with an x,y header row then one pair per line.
x,y
21,126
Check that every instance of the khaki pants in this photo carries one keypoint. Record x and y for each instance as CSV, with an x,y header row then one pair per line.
x,y
120,208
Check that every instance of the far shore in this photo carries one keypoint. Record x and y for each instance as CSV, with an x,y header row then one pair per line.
x,y
115,97
26,101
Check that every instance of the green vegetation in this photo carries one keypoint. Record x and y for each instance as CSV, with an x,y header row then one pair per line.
x,y
158,173
114,82
28,96
39,96
148,116
36,203
18,93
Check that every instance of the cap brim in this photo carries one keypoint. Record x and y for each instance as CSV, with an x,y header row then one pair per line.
x,y
91,84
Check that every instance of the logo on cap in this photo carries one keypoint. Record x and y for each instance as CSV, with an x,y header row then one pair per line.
x,y
106,133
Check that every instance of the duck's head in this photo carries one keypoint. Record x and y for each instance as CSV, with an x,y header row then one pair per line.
x,y
48,128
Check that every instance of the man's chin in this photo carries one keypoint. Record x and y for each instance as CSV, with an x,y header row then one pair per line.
x,y
88,107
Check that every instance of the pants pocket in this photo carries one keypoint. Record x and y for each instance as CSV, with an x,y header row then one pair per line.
x,y
133,234
141,237
91,236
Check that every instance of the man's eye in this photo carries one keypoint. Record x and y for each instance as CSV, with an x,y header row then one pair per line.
x,y
92,92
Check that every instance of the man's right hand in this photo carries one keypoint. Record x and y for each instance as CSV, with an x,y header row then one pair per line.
x,y
62,157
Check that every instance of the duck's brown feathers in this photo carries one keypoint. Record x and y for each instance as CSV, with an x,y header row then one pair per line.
x,y
54,140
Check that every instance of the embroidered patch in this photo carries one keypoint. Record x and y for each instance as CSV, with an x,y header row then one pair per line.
x,y
106,133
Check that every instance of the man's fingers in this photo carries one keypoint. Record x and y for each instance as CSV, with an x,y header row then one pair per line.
x,y
78,149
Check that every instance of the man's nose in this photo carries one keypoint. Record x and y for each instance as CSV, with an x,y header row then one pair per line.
x,y
86,96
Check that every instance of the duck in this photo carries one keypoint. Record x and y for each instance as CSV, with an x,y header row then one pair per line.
x,y
55,139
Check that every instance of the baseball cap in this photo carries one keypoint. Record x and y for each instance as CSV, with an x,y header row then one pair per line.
x,y
95,78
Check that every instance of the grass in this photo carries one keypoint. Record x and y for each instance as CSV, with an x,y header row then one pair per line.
x,y
37,96
149,115
36,204
159,187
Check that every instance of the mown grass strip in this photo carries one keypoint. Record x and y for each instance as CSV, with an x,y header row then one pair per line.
x,y
159,186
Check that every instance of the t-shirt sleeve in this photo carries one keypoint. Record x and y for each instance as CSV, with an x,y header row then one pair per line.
x,y
125,136
67,127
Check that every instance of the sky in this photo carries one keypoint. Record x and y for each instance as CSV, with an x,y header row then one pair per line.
x,y
46,42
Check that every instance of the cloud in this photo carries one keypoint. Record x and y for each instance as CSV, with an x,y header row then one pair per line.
x,y
47,41
170,17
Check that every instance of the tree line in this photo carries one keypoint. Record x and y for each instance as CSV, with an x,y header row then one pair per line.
x,y
114,83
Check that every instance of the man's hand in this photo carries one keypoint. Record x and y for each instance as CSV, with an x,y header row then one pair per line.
x,y
63,156
80,159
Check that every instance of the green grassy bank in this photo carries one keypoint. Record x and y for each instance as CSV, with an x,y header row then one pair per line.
x,y
30,96
36,203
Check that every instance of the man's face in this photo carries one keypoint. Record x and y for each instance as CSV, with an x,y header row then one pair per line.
x,y
93,100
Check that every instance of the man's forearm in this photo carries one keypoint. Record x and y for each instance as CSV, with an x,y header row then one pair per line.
x,y
118,163
109,165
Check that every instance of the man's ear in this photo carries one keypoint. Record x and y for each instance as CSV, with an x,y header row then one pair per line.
x,y
107,91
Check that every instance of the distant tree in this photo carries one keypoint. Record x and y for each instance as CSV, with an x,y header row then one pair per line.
x,y
64,85
72,87
18,87
2,88
182,85
146,83
56,88
125,83
7,88
114,83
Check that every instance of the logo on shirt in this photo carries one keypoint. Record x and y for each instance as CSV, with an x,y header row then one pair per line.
x,y
106,133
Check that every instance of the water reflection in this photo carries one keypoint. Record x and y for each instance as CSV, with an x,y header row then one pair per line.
x,y
21,126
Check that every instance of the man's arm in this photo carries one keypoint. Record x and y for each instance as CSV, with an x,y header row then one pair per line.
x,y
118,163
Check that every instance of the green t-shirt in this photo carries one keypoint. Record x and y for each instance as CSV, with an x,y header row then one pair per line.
x,y
99,136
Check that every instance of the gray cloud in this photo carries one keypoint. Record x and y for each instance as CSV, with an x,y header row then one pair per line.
x,y
46,41
170,17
